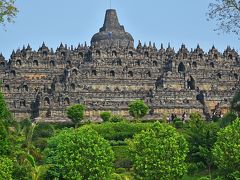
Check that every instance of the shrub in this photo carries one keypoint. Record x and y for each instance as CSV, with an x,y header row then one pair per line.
x,y
159,152
79,154
43,130
120,170
138,109
122,157
226,151
119,131
6,168
76,113
178,124
227,119
117,118
106,116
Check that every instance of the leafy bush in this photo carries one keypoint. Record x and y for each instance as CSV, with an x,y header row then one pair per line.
x,y
79,154
159,152
106,116
122,157
6,168
40,143
116,118
138,109
226,151
178,123
120,170
201,136
4,140
43,130
76,113
119,131
227,119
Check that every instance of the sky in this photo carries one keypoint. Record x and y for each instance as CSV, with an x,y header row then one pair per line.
x,y
76,21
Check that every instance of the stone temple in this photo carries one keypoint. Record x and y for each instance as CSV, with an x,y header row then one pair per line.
x,y
111,72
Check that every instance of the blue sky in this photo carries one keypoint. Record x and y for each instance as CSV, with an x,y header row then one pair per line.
x,y
75,21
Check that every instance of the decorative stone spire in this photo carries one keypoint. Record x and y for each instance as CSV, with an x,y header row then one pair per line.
x,y
139,46
2,57
29,48
112,33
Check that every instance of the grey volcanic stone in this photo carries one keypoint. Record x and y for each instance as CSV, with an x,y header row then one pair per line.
x,y
112,33
111,73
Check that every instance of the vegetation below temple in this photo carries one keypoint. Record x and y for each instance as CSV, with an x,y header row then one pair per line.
x,y
120,149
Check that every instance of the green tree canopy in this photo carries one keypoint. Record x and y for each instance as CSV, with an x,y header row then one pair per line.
x,y
6,168
138,109
4,140
76,113
201,136
226,151
159,153
227,119
79,154
8,11
106,116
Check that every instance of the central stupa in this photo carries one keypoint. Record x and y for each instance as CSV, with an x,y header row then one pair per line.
x,y
112,33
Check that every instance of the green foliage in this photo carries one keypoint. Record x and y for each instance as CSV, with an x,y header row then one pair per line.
x,y
4,140
159,152
227,119
122,157
226,150
201,135
79,154
8,11
6,168
195,116
37,172
138,109
106,116
119,131
178,123
116,118
76,113
43,130
123,176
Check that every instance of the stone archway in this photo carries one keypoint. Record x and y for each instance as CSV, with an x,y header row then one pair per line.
x,y
191,83
181,68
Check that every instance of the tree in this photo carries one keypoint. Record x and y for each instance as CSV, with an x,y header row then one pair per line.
x,y
227,15
138,109
8,11
76,113
4,140
159,152
37,172
226,151
79,154
106,116
6,168
235,103
227,119
201,136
